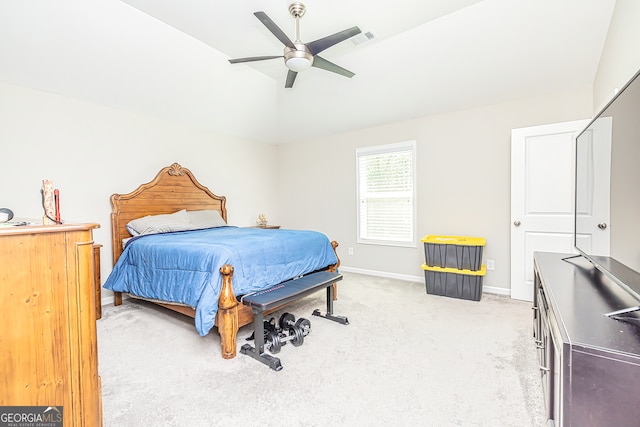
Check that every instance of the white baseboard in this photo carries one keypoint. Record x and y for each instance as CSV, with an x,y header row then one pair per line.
x,y
404,277
496,291
485,289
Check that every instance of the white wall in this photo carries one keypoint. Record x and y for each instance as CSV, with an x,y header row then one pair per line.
x,y
463,180
620,58
90,152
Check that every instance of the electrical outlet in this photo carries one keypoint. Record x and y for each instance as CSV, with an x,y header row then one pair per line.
x,y
491,265
350,251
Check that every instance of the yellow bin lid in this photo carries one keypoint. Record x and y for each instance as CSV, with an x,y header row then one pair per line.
x,y
455,240
481,272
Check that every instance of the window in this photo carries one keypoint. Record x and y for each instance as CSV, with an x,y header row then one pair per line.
x,y
387,194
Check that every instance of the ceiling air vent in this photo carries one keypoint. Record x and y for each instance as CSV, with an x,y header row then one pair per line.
x,y
361,38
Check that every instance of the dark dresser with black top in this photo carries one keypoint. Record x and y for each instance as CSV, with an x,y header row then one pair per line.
x,y
589,363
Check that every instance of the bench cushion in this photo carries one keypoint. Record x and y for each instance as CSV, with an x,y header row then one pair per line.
x,y
290,290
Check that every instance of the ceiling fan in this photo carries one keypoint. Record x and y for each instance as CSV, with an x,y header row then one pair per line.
x,y
299,56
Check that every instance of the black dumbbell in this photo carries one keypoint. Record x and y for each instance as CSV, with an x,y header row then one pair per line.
x,y
275,340
288,320
289,330
305,325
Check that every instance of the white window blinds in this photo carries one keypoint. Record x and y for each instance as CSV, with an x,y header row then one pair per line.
x,y
386,194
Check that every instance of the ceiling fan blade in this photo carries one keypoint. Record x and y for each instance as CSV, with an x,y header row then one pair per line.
x,y
319,45
291,77
253,58
320,62
271,26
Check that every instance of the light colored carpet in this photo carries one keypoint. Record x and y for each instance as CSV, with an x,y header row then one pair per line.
x,y
407,358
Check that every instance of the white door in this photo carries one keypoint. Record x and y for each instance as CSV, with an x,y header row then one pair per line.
x,y
542,197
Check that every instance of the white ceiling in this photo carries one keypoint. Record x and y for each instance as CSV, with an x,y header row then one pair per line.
x,y
169,58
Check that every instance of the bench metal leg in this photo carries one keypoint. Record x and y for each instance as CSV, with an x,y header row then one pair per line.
x,y
270,298
329,313
258,337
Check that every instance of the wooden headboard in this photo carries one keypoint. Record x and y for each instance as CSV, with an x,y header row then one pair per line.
x,y
174,188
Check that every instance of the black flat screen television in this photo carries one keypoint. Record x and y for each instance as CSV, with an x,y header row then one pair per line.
x,y
607,191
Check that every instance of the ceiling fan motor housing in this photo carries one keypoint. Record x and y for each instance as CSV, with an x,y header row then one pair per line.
x,y
298,59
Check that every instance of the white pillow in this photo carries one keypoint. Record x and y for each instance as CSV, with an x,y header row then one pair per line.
x,y
152,224
205,219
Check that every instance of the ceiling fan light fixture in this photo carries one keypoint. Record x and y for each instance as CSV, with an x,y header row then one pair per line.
x,y
298,64
298,59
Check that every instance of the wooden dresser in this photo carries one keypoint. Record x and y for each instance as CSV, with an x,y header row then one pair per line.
x,y
48,343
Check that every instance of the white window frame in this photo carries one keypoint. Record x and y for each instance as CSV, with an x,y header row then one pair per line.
x,y
387,149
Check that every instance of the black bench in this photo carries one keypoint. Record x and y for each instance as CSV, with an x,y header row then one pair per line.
x,y
281,294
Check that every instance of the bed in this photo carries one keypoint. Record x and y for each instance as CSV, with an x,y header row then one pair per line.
x,y
253,253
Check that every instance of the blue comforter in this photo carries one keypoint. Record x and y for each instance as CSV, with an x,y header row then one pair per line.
x,y
184,267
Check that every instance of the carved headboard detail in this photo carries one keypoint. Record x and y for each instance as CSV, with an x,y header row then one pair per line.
x,y
174,188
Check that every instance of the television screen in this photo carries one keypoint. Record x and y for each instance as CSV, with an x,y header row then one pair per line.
x,y
607,193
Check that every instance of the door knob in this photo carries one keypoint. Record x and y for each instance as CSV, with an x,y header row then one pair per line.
x,y
602,225
517,223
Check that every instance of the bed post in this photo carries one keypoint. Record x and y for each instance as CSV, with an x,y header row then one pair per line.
x,y
334,268
227,314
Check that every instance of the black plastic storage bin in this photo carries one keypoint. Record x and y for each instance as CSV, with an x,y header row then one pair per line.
x,y
462,253
450,282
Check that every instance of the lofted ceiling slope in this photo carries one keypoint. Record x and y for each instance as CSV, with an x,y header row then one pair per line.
x,y
169,58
